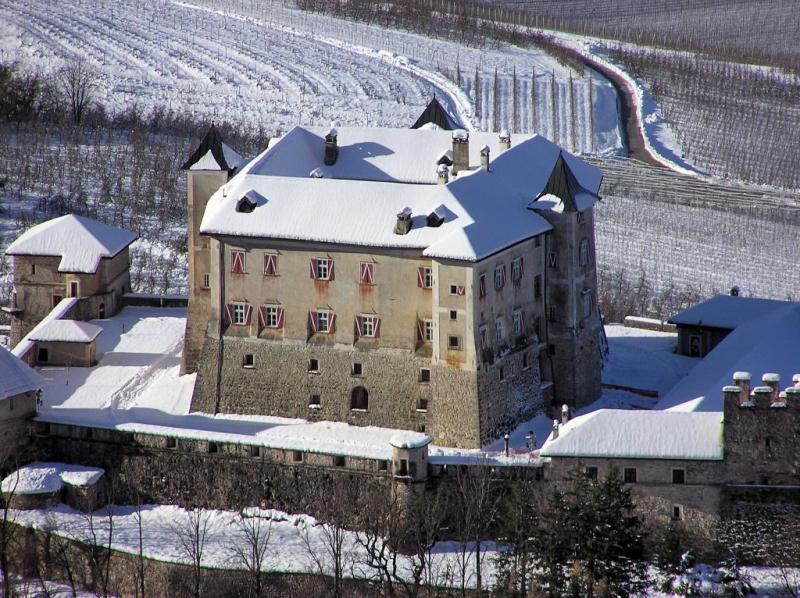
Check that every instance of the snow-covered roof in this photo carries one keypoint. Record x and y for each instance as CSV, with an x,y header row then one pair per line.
x,y
48,478
80,242
626,434
378,173
410,440
66,331
763,344
15,376
26,344
727,311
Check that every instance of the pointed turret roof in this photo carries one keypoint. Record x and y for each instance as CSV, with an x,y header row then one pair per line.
x,y
435,114
213,154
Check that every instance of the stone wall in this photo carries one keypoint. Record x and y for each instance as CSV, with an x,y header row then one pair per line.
x,y
16,414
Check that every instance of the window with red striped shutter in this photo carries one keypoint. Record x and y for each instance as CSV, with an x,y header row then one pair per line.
x,y
482,286
366,273
270,264
237,261
321,268
425,277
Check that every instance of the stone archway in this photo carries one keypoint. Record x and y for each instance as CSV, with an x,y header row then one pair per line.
x,y
359,398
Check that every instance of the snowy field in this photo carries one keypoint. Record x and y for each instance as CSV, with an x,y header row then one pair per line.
x,y
261,64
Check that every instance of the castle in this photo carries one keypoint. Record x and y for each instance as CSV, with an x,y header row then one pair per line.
x,y
423,279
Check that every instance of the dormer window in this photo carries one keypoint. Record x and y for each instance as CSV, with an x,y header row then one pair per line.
x,y
434,220
245,205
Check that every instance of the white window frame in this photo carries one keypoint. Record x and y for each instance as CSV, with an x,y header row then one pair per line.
x,y
454,289
206,280
586,296
271,316
499,332
323,268
238,313
323,315
427,329
516,322
427,277
457,346
499,277
583,253
516,270
368,326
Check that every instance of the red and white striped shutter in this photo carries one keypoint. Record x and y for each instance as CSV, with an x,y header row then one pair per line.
x,y
370,273
280,318
270,264
521,266
358,326
331,322
330,270
483,338
460,289
482,286
312,321
421,277
421,331
312,268
248,310
377,327
237,262
262,316
362,273
229,313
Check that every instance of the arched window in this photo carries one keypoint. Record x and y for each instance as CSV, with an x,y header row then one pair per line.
x,y
359,398
102,311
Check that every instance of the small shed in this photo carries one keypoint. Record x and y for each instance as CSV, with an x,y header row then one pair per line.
x,y
703,326
66,343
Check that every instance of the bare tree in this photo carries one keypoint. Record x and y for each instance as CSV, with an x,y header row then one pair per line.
x,y
192,534
77,81
251,554
8,531
98,546
140,574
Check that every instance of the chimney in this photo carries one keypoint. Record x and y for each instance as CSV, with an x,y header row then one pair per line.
x,y
555,429
796,379
793,396
485,157
761,396
731,397
773,381
742,380
782,400
460,151
403,224
505,140
442,174
331,146
564,414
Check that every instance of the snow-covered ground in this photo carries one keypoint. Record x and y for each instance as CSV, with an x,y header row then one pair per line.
x,y
263,64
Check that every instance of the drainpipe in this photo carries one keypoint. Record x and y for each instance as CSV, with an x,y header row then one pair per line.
x,y
220,325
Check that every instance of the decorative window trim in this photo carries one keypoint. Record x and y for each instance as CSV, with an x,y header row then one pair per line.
x,y
238,313
321,268
270,315
368,326
322,321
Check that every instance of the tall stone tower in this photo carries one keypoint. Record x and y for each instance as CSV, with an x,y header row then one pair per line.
x,y
573,359
210,166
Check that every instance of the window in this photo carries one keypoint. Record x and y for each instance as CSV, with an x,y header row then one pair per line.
x,y
454,289
368,326
553,313
270,264
591,472
42,356
583,253
359,399
73,288
422,404
205,282
356,370
403,469
237,261
172,442
678,476
313,366
518,322
587,303
677,513
322,320
502,373
629,475
33,269
484,337
366,273
482,286
57,299
338,461
425,277
314,402
499,333
321,268
537,241
297,456
453,314
11,404
213,447
383,465
516,271
525,361
537,286
579,217
270,316
552,259
240,314
248,361
499,277
453,342
425,330
424,375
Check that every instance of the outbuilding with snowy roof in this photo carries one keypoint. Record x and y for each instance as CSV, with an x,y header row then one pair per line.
x,y
66,343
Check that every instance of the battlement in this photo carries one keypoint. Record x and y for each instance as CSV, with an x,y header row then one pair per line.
x,y
768,395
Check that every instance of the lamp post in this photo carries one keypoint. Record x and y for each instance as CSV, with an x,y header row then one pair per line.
x,y
505,439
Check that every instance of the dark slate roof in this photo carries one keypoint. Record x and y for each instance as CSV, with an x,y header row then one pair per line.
x,y
436,114
727,312
212,141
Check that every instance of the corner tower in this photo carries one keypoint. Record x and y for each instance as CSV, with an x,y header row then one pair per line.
x,y
211,165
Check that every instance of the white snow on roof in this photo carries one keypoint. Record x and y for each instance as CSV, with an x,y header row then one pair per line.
x,y
208,162
377,174
762,344
15,376
66,331
726,311
48,478
80,242
26,344
619,433
409,440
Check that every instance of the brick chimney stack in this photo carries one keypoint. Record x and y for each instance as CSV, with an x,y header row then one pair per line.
x,y
331,146
564,414
505,140
442,174
742,380
460,151
485,157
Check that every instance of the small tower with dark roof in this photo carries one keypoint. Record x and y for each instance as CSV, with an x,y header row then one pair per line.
x,y
435,114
